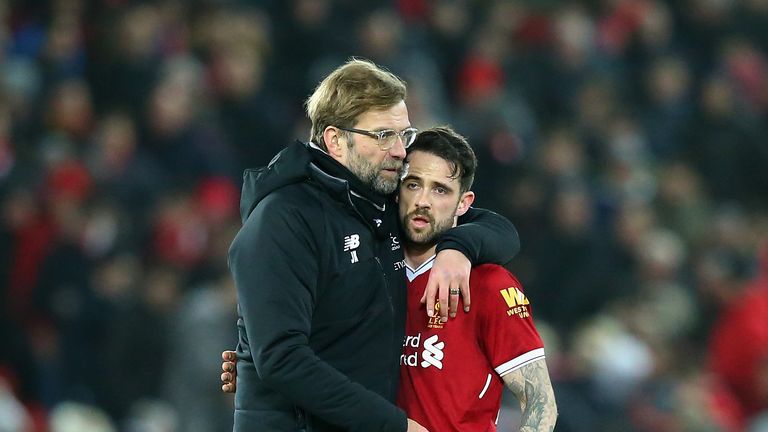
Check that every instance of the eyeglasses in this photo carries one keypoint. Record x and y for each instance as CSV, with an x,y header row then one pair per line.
x,y
387,138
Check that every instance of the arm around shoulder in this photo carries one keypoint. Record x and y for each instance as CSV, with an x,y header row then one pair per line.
x,y
483,236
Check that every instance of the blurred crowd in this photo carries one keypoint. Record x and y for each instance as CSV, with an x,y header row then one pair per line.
x,y
626,139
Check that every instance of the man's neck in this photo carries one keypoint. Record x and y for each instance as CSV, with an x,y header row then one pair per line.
x,y
416,255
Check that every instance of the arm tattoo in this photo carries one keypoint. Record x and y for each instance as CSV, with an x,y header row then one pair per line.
x,y
531,386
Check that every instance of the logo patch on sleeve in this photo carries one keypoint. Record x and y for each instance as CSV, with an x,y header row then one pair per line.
x,y
517,302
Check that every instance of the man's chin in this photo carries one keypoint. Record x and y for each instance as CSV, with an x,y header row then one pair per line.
x,y
385,187
420,239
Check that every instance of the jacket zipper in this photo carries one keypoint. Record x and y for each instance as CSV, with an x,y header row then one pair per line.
x,y
354,207
386,283
391,305
378,261
301,419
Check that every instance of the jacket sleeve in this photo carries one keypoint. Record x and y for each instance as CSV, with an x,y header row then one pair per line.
x,y
275,263
483,236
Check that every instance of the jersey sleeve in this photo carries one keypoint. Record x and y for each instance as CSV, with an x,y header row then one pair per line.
x,y
507,333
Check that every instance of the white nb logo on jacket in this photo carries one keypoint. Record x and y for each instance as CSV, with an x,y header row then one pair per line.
x,y
352,242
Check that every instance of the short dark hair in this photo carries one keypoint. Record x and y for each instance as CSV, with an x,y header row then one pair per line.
x,y
445,143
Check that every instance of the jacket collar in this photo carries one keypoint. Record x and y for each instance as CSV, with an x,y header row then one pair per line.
x,y
334,168
344,186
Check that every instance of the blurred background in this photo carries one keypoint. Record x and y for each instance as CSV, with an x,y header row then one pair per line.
x,y
626,139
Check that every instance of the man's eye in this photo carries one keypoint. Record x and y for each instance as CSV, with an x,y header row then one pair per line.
x,y
411,185
441,191
387,134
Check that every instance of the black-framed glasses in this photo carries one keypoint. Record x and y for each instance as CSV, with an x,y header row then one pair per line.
x,y
387,138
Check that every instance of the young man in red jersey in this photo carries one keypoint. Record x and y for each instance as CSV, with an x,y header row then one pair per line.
x,y
452,374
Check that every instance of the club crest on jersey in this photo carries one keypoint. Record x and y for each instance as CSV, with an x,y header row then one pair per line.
x,y
517,302
434,321
352,242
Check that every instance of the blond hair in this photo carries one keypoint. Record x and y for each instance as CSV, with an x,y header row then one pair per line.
x,y
352,89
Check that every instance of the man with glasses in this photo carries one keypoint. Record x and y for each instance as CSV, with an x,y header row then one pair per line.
x,y
387,138
320,271
468,361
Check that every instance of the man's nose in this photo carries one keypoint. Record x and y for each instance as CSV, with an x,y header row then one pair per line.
x,y
422,199
397,151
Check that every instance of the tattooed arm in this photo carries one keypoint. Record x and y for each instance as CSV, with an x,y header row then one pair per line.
x,y
531,386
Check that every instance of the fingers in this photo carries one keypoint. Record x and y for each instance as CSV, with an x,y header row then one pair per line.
x,y
443,292
229,356
448,280
228,377
430,293
438,286
452,269
464,289
228,384
415,427
453,301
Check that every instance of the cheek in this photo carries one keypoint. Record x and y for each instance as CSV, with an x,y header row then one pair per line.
x,y
367,158
405,202
449,208
376,158
446,210
401,215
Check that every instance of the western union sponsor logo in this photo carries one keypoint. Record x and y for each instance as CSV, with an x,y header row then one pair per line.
x,y
514,297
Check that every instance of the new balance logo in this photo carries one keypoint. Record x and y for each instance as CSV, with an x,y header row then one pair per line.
x,y
514,297
351,242
433,353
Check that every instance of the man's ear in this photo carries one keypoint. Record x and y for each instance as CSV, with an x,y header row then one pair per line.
x,y
466,200
332,138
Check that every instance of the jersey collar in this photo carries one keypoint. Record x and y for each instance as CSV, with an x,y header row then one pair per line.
x,y
426,266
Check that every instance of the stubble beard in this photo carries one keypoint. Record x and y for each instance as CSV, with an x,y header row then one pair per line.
x,y
428,237
371,175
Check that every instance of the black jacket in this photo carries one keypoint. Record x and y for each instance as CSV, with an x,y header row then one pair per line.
x,y
320,278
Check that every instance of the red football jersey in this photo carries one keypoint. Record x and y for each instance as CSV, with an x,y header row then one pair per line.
x,y
450,374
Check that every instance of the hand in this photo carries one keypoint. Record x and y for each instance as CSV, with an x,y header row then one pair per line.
x,y
415,427
450,270
229,376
